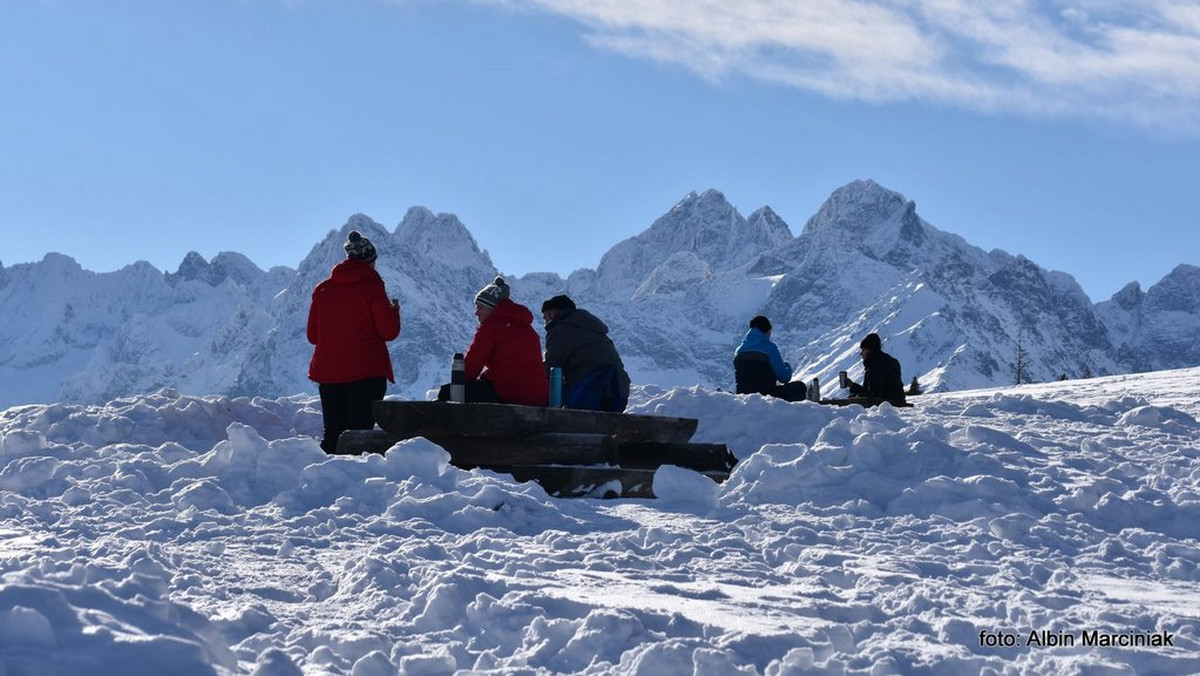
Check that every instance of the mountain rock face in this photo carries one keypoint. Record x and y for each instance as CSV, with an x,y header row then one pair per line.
x,y
677,299
706,226
1158,328
75,335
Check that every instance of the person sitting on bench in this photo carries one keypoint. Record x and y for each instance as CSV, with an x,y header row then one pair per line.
x,y
759,368
881,373
504,361
593,377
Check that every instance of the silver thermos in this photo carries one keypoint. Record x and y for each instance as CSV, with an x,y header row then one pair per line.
x,y
458,379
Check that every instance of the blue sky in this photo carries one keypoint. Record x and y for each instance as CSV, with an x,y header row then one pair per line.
x,y
143,129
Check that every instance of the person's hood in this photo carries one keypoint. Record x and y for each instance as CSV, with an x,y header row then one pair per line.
x,y
580,319
876,357
350,271
754,340
508,311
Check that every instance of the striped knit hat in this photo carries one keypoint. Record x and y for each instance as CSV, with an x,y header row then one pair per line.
x,y
493,293
359,248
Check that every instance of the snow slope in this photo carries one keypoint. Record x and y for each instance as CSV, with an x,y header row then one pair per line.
x,y
177,534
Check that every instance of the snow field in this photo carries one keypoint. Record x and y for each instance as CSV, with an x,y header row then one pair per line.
x,y
979,532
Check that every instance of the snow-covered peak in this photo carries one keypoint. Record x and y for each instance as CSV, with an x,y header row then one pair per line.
x,y
332,249
55,263
1129,297
767,226
1179,291
323,256
225,265
709,200
193,267
362,223
864,218
236,266
700,223
1157,327
857,208
441,237
704,224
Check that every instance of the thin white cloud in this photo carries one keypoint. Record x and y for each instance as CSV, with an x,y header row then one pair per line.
x,y
1137,62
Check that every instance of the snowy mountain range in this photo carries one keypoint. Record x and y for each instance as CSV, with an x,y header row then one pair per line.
x,y
677,298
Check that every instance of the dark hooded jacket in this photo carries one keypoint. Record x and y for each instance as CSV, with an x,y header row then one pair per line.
x,y
881,378
578,343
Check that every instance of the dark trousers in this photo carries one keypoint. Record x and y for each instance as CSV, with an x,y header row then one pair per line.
x,y
347,406
477,391
793,391
599,390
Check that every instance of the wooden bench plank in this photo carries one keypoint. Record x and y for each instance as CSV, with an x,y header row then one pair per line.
x,y
697,456
565,464
406,419
551,448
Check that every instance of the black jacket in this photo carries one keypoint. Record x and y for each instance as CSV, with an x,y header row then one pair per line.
x,y
578,343
881,378
753,374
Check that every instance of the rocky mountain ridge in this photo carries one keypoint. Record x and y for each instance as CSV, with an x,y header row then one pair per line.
x,y
677,298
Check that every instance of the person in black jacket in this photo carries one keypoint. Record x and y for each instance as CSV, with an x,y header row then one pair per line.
x,y
881,373
593,376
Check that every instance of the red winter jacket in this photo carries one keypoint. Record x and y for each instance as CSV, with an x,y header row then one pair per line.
x,y
507,352
350,321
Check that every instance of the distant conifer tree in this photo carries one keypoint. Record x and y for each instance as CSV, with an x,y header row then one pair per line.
x,y
914,388
1021,367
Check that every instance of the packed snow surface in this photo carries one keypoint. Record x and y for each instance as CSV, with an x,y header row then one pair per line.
x,y
1051,528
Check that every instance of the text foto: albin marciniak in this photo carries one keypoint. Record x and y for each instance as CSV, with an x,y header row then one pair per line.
x,y
1088,638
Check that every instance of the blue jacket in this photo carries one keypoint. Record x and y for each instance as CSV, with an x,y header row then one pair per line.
x,y
757,341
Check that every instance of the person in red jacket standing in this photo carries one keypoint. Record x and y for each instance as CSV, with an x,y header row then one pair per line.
x,y
504,362
350,321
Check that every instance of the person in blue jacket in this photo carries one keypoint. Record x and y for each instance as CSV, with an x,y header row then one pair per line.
x,y
760,369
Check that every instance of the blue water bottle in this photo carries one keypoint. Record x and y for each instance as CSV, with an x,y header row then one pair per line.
x,y
555,387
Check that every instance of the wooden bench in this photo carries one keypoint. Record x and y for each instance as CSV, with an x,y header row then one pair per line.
x,y
570,453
